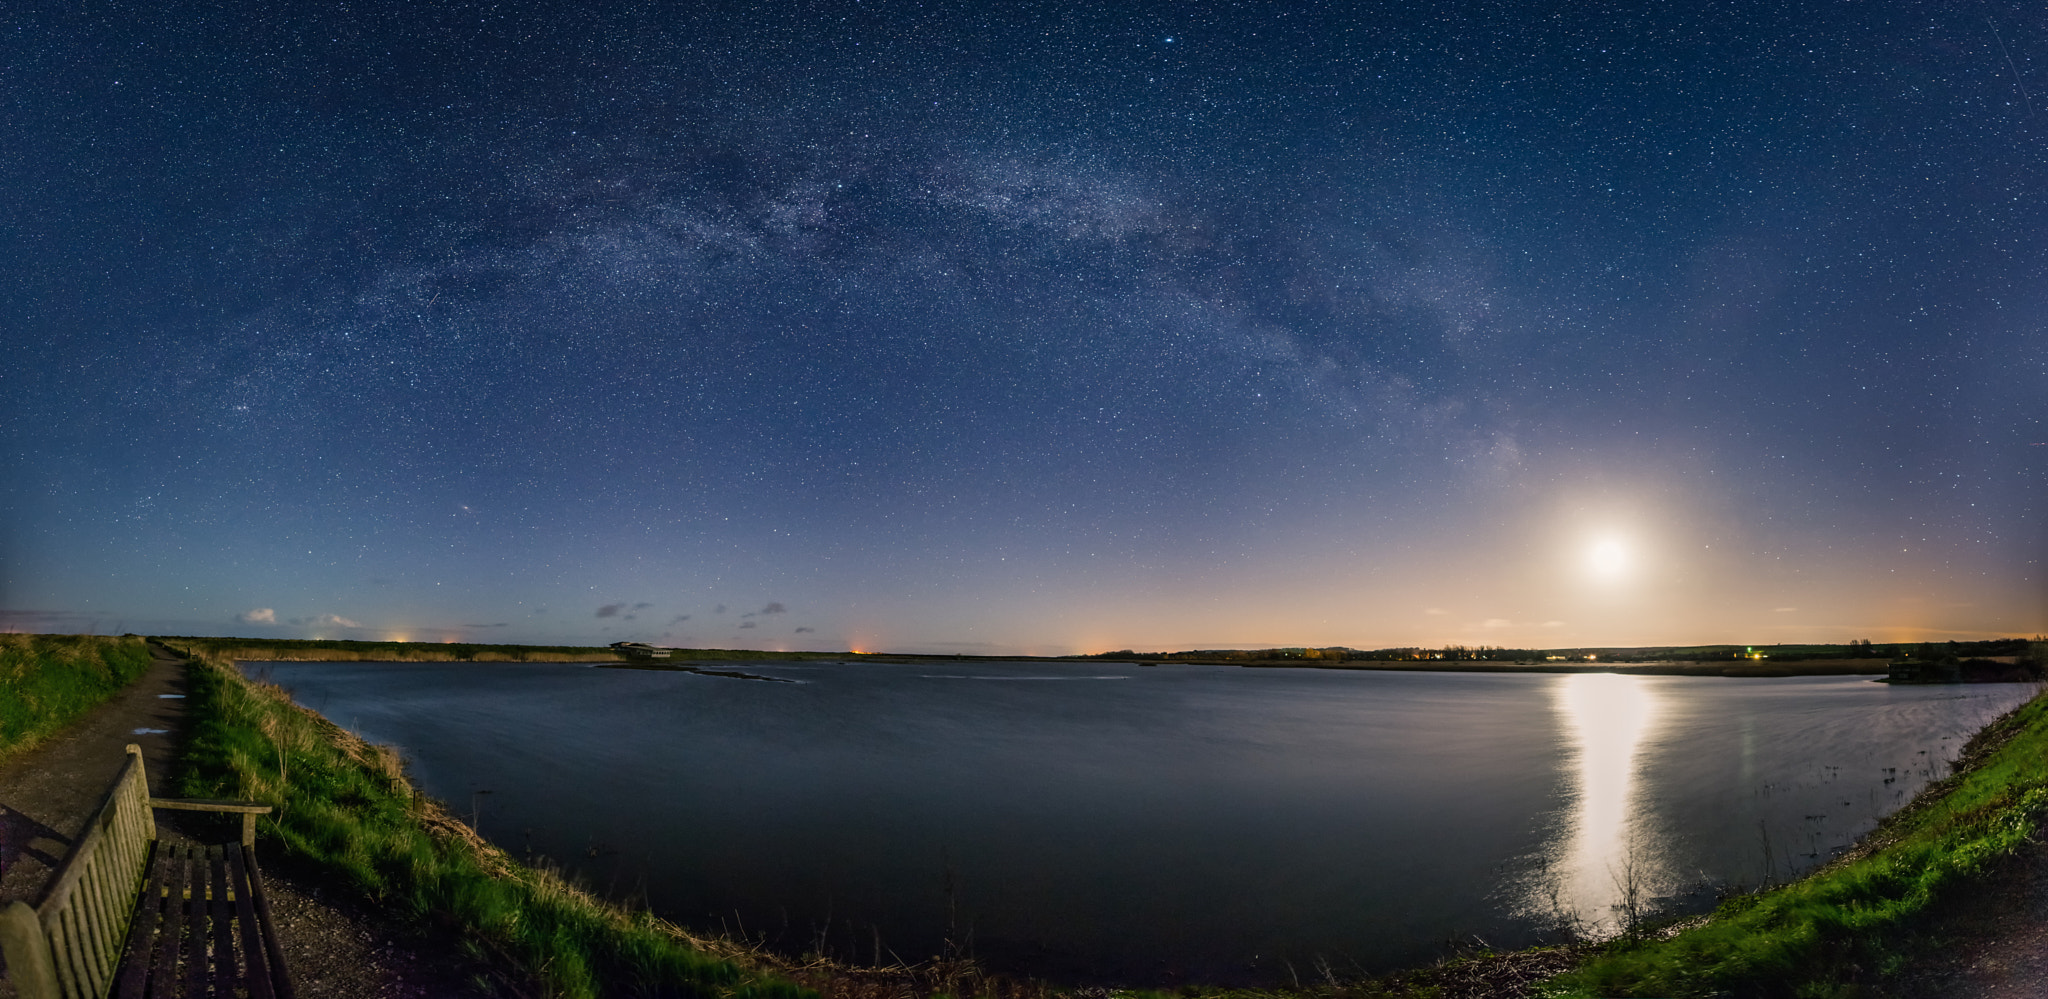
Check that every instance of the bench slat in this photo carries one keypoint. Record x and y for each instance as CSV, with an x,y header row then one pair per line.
x,y
222,914
169,937
149,911
195,926
109,911
280,973
88,843
253,954
64,946
95,916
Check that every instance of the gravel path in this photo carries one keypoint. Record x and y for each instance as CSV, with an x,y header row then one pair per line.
x,y
336,949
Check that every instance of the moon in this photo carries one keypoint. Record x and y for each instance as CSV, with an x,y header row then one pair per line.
x,y
1609,559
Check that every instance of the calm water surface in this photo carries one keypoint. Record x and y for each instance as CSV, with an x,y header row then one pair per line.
x,y
1117,822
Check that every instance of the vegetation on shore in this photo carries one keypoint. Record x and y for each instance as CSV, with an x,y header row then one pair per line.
x,y
1845,929
47,681
346,807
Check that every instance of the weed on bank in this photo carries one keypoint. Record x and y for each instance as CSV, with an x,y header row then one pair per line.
x,y
48,681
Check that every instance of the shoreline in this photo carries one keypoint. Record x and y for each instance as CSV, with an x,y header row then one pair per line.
x,y
1947,831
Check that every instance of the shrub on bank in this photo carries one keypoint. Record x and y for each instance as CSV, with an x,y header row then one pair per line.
x,y
346,807
47,681
1853,923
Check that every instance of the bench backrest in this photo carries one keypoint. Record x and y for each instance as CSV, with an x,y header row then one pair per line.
x,y
68,947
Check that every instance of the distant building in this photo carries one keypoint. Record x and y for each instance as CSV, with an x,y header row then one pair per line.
x,y
640,650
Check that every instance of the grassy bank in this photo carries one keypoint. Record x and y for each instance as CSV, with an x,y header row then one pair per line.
x,y
346,808
47,681
1844,930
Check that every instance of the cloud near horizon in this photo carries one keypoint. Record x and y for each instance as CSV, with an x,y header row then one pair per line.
x,y
260,615
610,610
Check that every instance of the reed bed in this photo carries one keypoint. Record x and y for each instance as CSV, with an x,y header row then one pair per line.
x,y
47,681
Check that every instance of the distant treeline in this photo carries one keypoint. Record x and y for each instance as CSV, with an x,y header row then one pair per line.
x,y
1857,649
343,650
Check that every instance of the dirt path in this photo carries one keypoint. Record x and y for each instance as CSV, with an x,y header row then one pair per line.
x,y
1994,943
335,949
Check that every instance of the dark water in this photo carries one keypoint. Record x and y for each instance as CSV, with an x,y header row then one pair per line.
x,y
1152,824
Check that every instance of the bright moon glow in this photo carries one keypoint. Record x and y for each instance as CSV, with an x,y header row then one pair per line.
x,y
1609,560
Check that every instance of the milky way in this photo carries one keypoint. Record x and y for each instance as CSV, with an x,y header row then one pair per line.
x,y
1056,329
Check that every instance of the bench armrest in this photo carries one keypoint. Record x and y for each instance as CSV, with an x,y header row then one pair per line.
x,y
210,805
249,810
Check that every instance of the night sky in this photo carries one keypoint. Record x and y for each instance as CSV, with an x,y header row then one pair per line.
x,y
1032,328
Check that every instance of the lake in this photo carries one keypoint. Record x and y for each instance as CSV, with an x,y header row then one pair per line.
x,y
1150,825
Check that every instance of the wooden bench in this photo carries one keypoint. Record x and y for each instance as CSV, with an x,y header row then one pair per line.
x,y
133,917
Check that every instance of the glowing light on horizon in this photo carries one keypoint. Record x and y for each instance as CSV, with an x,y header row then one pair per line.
x,y
1607,716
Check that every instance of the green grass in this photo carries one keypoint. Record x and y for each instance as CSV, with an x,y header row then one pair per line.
x,y
48,681
1844,930
346,808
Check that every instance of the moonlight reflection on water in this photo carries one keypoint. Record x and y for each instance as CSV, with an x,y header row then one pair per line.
x,y
1607,717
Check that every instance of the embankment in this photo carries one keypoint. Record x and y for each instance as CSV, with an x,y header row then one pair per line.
x,y
48,681
1846,929
347,808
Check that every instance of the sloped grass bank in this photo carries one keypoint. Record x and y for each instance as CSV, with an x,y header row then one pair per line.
x,y
1846,929
346,807
47,681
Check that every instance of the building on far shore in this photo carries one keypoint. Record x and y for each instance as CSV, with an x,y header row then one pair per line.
x,y
640,650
